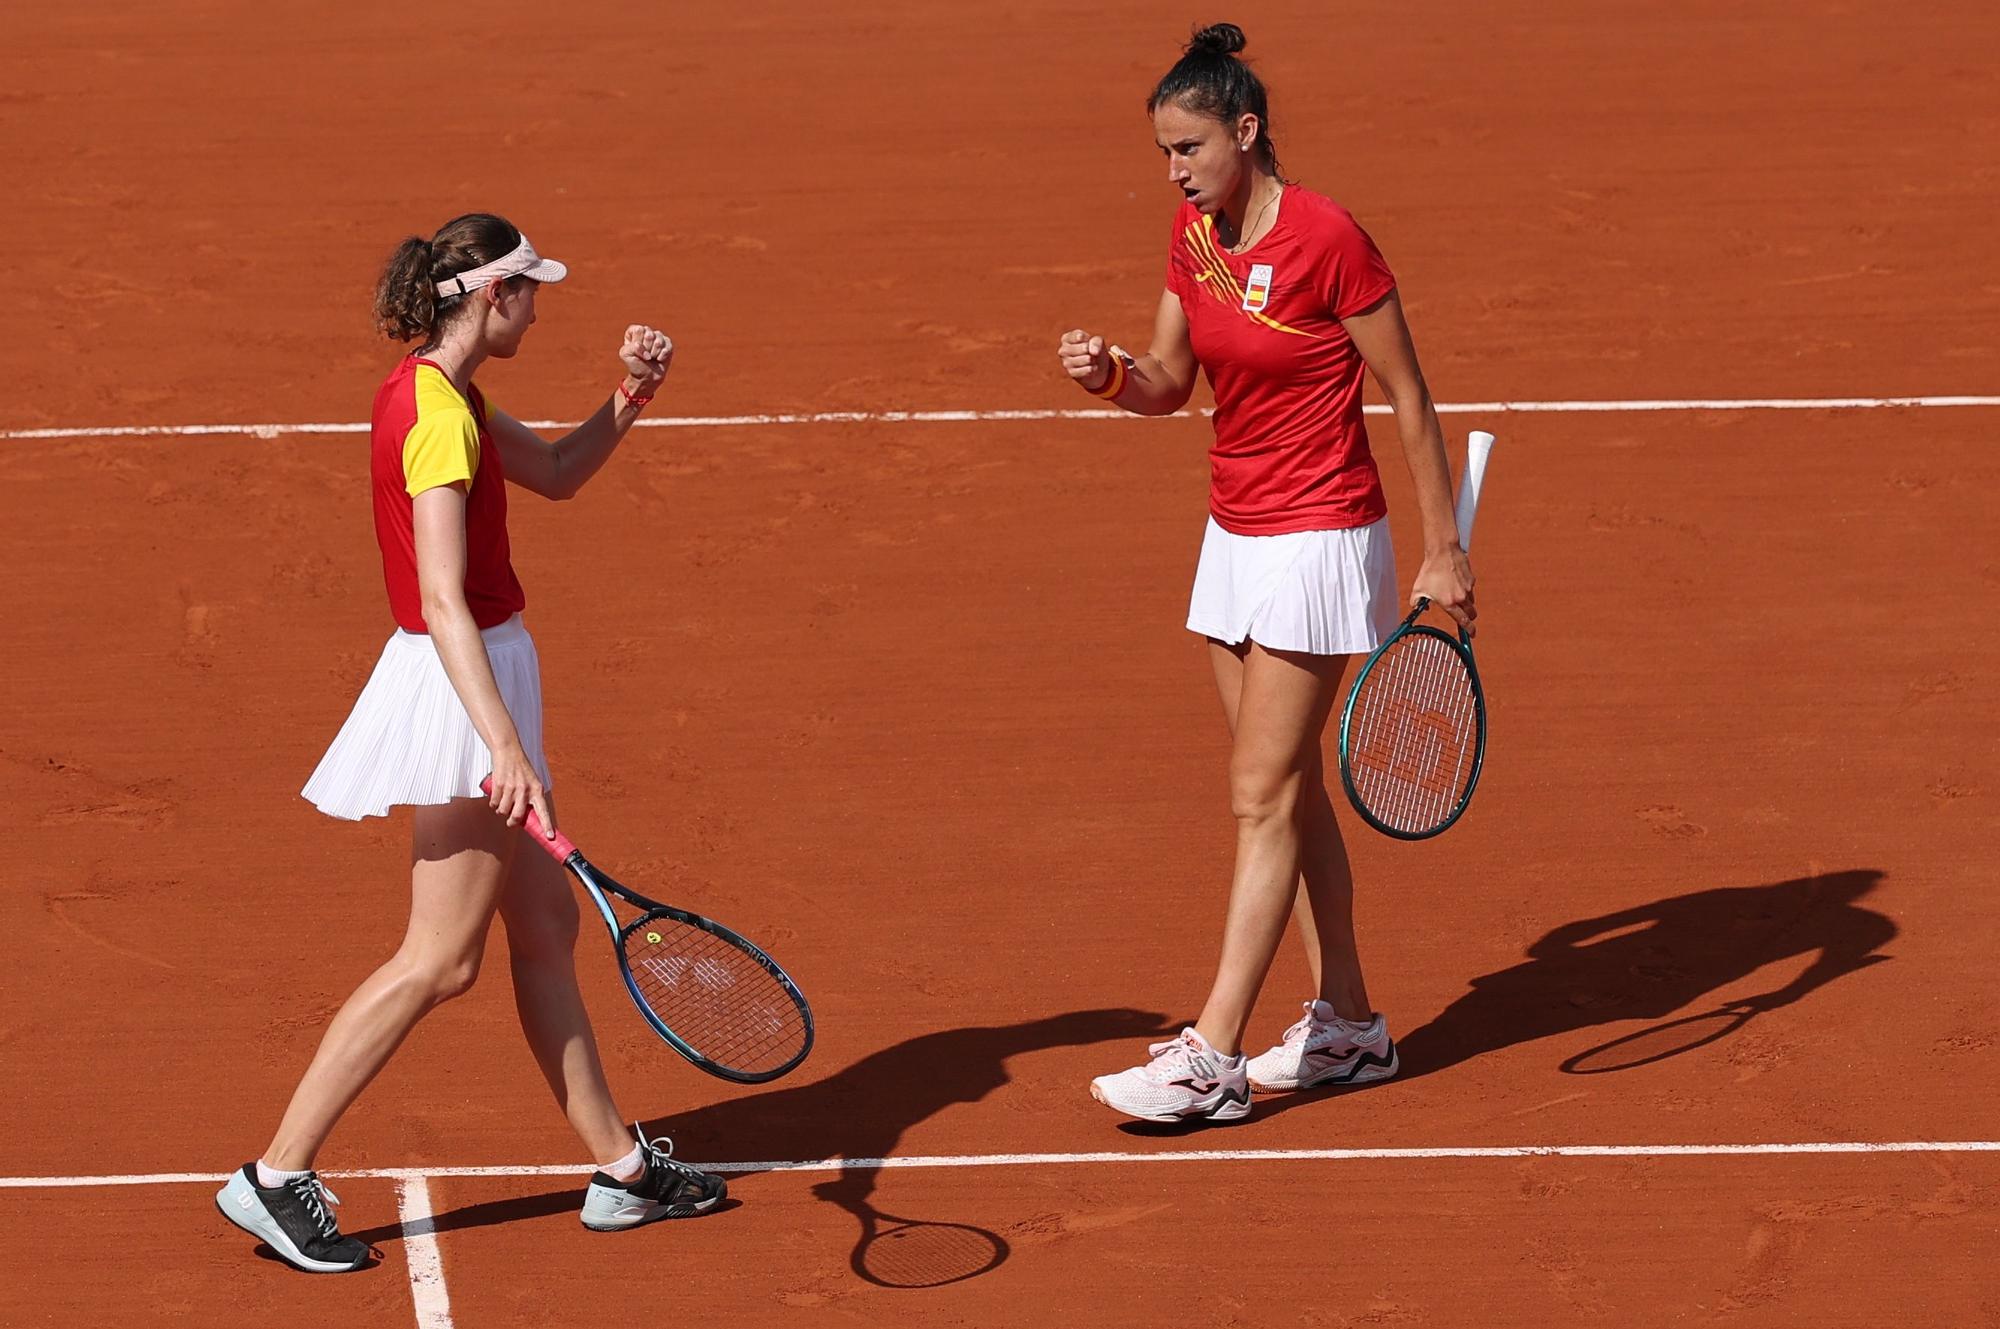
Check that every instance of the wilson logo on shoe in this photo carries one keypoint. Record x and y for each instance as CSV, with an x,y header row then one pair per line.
x,y
246,1199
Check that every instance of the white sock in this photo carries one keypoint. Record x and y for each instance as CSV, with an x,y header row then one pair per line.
x,y
627,1169
1210,1048
270,1178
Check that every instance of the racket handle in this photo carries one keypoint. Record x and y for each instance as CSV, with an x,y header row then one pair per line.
x,y
1476,448
559,848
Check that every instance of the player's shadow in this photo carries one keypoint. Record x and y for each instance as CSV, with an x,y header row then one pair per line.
x,y
1652,960
1643,963
863,1109
859,1112
264,1252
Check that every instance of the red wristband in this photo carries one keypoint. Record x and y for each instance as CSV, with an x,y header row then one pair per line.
x,y
1114,382
638,403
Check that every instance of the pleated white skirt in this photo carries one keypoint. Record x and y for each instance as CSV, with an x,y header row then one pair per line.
x,y
409,739
1315,592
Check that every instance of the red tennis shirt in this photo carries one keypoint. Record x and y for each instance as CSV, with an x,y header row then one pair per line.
x,y
425,434
1291,452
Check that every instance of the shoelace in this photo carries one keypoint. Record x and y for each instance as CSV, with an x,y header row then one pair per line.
x,y
660,1154
1164,1063
318,1200
1301,1031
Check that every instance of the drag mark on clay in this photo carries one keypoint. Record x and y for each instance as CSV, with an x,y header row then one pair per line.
x,y
58,906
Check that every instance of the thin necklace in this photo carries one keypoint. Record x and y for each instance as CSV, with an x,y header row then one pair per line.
x,y
450,365
1243,236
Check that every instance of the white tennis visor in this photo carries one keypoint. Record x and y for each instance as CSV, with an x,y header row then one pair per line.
x,y
522,262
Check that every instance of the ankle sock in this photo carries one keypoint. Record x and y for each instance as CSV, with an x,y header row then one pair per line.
x,y
627,1169
1228,1060
270,1178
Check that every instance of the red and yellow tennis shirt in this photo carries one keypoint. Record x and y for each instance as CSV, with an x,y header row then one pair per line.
x,y
1291,452
424,434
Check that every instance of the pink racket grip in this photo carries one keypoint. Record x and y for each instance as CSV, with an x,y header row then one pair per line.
x,y
559,848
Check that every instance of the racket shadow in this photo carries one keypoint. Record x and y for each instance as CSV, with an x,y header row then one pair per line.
x,y
1651,963
1660,1042
911,1253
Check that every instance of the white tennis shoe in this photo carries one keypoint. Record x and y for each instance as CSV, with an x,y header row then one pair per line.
x,y
1185,1078
1324,1049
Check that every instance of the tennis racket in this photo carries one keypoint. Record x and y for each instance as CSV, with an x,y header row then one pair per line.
x,y
714,996
1413,732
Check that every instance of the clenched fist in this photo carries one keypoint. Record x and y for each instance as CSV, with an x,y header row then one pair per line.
x,y
646,353
1085,358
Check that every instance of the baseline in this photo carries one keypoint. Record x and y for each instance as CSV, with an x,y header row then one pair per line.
x,y
413,1202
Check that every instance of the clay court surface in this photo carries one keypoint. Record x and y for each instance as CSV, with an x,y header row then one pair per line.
x,y
911,700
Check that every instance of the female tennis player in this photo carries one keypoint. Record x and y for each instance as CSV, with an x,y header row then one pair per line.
x,y
456,696
1281,299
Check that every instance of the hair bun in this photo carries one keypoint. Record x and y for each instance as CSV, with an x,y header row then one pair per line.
x,y
1217,39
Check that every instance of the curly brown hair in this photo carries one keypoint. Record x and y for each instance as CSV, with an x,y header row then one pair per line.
x,y
407,306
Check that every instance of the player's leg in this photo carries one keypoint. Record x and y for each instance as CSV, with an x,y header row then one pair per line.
x,y
1281,710
637,1180
538,909
459,858
1325,907
1323,867
459,854
1276,705
1339,1039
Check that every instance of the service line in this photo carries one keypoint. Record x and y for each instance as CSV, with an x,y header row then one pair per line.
x,y
1096,413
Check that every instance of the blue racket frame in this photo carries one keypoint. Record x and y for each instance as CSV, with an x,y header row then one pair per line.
x,y
598,883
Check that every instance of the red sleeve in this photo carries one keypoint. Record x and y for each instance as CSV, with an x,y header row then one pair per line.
x,y
1355,275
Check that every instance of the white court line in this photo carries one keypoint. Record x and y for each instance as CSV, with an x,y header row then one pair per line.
x,y
420,1251
1099,413
433,1302
582,1170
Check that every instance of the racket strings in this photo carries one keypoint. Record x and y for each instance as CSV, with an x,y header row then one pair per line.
x,y
1415,735
714,995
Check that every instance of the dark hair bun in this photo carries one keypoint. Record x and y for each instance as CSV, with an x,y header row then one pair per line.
x,y
1217,39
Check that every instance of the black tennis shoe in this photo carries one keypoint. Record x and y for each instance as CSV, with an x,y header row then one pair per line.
x,y
296,1219
666,1189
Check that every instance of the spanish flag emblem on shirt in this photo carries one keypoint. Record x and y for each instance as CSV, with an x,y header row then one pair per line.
x,y
1257,290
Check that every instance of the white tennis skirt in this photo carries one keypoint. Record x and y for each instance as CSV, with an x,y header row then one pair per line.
x,y
409,739
1315,592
